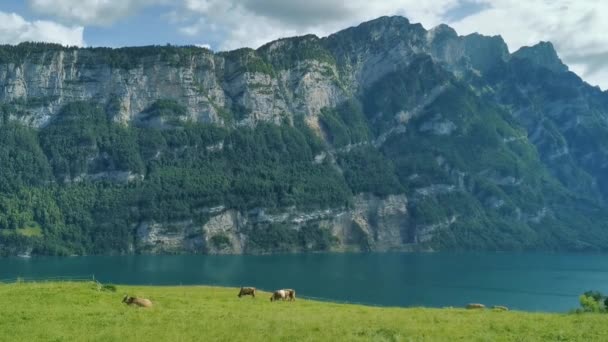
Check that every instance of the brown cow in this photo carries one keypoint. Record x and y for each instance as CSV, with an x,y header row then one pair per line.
x,y
278,294
247,291
141,302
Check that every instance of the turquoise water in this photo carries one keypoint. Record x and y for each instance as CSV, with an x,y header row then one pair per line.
x,y
533,282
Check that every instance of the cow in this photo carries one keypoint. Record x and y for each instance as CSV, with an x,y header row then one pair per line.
x,y
290,294
141,302
284,294
475,306
247,291
278,294
500,308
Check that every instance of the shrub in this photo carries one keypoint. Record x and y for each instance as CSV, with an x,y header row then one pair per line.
x,y
596,295
593,301
315,238
272,237
220,241
108,288
589,304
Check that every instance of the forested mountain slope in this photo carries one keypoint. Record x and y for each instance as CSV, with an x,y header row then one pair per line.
x,y
384,136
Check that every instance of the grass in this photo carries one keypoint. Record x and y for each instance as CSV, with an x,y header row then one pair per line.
x,y
80,311
30,230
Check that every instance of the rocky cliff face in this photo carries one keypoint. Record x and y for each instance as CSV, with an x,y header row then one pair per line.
x,y
379,224
235,88
436,141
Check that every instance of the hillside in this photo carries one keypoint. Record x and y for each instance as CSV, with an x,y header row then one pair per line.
x,y
384,136
78,311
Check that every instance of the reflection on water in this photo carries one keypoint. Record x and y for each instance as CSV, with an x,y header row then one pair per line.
x,y
539,282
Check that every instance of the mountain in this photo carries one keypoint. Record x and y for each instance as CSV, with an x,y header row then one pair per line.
x,y
384,136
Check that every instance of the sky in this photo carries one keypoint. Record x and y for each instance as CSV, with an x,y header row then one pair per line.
x,y
577,28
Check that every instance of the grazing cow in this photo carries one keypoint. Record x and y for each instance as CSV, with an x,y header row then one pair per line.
x,y
500,308
475,306
278,294
290,294
247,291
142,302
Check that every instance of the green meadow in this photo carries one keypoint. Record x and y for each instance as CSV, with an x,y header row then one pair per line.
x,y
84,312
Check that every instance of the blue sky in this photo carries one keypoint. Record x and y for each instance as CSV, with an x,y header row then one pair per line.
x,y
148,26
576,27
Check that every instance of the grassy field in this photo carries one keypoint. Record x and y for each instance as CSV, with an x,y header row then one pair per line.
x,y
79,311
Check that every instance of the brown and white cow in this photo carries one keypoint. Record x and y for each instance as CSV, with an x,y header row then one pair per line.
x,y
290,294
475,306
283,294
278,294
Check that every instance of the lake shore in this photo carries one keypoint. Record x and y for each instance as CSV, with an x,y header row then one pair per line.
x,y
82,311
520,281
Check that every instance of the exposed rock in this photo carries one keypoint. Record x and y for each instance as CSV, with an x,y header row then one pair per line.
x,y
425,233
542,54
312,89
438,127
60,77
226,225
393,131
319,158
436,189
540,215
173,237
384,222
215,147
495,203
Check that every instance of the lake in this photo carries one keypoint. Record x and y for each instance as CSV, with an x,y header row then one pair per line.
x,y
532,282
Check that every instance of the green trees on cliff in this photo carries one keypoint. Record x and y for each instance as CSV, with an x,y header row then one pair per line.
x,y
84,181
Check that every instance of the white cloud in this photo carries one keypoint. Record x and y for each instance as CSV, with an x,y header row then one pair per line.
x,y
192,30
91,12
575,27
204,46
255,22
15,29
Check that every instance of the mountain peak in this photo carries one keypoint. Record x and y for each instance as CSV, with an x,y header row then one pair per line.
x,y
443,30
485,51
380,34
387,20
542,54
